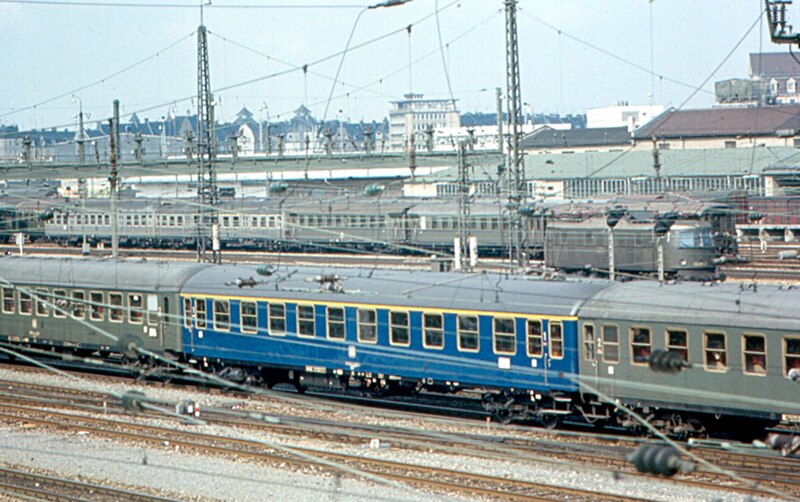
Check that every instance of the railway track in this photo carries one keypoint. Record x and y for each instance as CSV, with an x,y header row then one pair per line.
x,y
765,265
605,454
24,484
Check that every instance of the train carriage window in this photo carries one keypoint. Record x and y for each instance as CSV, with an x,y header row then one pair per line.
x,y
202,313
96,306
433,326
468,333
716,355
305,320
78,304
791,355
336,323
504,336
367,326
610,343
641,344
25,303
398,329
248,312
42,300
754,354
535,343
589,353
277,319
115,312
678,341
8,301
187,311
222,315
556,340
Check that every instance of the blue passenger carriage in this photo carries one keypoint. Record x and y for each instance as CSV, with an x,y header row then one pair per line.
x,y
390,331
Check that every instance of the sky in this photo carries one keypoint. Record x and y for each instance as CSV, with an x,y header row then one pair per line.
x,y
574,55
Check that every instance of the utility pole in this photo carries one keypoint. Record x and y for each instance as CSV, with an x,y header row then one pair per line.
x,y
516,168
81,138
500,138
113,181
115,129
82,194
208,248
463,261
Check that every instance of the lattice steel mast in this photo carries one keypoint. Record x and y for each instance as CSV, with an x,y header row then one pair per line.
x,y
516,168
208,248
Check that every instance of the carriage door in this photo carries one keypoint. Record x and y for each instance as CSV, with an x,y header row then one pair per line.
x,y
608,354
553,349
154,317
589,352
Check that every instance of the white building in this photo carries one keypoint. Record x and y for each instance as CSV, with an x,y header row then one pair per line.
x,y
415,115
622,114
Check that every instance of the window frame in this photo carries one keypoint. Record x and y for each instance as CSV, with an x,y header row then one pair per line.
x,y
218,325
244,327
119,316
40,302
616,343
461,332
512,335
97,311
633,345
587,342
669,347
329,323
188,311
201,306
406,327
433,329
745,353
551,339
5,299
78,300
60,312
304,319
25,298
785,355
277,319
529,337
706,351
361,324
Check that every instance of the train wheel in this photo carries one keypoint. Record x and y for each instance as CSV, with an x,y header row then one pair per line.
x,y
551,422
502,416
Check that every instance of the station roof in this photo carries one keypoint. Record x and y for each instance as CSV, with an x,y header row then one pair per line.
x,y
598,136
722,122
627,163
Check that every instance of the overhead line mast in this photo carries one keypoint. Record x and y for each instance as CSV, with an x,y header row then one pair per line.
x,y
516,167
208,248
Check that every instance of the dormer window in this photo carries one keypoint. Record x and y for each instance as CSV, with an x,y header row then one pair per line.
x,y
773,87
791,86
